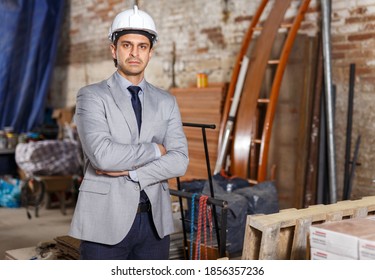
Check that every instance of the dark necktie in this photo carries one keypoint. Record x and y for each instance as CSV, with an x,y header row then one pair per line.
x,y
137,106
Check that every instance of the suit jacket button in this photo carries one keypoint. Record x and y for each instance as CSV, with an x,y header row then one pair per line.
x,y
137,188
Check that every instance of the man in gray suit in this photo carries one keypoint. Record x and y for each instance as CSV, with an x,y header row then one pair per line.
x,y
133,142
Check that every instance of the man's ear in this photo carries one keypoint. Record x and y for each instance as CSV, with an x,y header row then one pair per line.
x,y
113,51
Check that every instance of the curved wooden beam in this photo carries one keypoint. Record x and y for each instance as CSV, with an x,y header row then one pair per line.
x,y
244,130
236,69
275,90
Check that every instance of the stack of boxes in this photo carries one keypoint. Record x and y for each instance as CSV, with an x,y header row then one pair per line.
x,y
352,239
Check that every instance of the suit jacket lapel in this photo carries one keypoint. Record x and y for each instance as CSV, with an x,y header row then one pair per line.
x,y
149,110
124,103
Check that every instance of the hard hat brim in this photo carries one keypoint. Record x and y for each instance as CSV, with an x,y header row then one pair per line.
x,y
117,34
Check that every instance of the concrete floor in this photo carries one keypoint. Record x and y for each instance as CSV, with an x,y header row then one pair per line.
x,y
17,231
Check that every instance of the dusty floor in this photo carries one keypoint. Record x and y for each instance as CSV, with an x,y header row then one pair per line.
x,y
17,231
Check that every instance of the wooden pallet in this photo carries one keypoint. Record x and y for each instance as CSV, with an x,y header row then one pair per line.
x,y
284,235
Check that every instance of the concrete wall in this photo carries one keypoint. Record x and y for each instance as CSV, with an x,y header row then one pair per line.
x,y
207,36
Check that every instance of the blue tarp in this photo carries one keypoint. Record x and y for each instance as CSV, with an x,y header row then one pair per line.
x,y
29,36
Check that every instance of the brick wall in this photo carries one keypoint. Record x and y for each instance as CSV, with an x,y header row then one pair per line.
x,y
353,41
207,36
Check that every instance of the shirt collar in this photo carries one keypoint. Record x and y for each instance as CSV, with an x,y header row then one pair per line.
x,y
124,83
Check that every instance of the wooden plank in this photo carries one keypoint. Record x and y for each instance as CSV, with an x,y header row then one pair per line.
x,y
202,106
253,239
310,185
212,88
270,239
301,231
360,212
334,216
285,241
305,112
318,213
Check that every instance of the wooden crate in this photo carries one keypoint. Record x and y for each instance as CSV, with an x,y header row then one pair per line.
x,y
285,235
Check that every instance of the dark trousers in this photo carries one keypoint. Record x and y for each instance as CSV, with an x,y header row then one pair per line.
x,y
141,243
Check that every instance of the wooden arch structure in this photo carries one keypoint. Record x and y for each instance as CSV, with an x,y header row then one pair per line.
x,y
250,137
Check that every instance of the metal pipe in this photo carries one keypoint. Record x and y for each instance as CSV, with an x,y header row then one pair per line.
x,y
326,20
349,125
232,115
213,201
211,126
354,165
186,248
221,242
322,157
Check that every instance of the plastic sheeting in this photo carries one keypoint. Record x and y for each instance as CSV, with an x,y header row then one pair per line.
x,y
29,36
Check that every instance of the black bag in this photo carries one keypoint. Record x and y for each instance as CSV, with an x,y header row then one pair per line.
x,y
242,200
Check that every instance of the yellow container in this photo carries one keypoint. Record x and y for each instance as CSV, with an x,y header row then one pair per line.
x,y
202,80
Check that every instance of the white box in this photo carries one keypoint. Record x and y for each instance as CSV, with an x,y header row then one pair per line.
x,y
21,254
367,247
318,254
341,237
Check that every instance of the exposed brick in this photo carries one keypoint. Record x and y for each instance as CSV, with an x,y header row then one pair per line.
x,y
361,37
359,11
202,50
215,35
362,71
243,18
338,38
344,46
360,19
338,55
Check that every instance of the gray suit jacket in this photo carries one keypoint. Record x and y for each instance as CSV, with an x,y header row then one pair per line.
x,y
108,131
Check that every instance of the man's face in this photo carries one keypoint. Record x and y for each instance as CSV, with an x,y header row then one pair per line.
x,y
133,52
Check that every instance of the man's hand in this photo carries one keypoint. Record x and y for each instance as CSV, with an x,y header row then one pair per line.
x,y
112,173
163,151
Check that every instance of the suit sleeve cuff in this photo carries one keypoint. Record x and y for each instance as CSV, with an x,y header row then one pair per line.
x,y
157,150
133,176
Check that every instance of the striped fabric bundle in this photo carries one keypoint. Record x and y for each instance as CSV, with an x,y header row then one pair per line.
x,y
49,157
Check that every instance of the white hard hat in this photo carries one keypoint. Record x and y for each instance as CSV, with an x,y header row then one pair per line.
x,y
136,20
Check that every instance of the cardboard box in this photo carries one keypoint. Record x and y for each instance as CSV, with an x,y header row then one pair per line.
x,y
63,115
341,237
367,247
64,119
318,254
